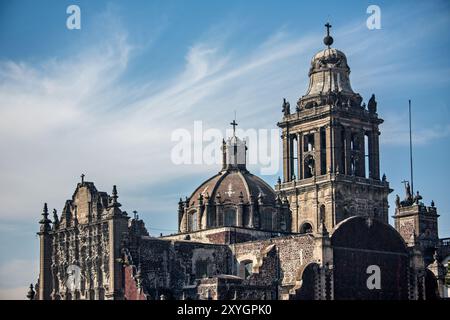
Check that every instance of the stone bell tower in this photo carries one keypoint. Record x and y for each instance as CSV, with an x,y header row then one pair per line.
x,y
331,167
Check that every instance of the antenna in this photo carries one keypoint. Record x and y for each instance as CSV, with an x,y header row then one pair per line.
x,y
410,149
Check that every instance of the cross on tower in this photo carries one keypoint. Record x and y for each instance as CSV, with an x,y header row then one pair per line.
x,y
82,178
328,26
234,124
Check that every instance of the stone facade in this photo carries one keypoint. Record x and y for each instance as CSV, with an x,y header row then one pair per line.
x,y
322,233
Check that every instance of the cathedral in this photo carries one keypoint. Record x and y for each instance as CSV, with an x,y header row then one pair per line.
x,y
321,233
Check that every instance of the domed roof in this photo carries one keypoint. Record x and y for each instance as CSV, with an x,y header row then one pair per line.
x,y
234,184
329,79
229,185
329,57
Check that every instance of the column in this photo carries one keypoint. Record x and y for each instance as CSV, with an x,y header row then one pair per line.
x,y
286,173
348,151
329,149
317,153
362,154
376,155
291,156
300,155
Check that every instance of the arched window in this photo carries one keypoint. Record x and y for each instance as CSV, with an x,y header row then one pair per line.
x,y
192,221
266,220
309,166
229,217
322,216
306,228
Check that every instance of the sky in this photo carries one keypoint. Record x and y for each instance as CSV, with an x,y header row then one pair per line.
x,y
104,100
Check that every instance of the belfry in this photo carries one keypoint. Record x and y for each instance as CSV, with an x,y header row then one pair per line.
x,y
331,167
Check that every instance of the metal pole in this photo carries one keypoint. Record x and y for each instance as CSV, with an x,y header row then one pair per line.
x,y
410,149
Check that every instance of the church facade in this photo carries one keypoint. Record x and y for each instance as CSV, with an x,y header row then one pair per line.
x,y
321,233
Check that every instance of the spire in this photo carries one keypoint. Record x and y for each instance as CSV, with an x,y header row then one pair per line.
x,y
45,221
82,178
328,40
115,203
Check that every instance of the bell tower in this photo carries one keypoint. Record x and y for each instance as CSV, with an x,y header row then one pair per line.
x,y
330,141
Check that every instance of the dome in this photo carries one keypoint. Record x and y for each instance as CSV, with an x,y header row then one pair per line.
x,y
329,72
232,186
234,197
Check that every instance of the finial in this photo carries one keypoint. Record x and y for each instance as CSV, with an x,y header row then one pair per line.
x,y
432,203
279,180
82,178
135,214
45,221
31,293
328,40
115,203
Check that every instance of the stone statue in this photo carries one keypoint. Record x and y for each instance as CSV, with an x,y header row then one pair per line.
x,y
397,201
418,197
372,104
286,107
408,192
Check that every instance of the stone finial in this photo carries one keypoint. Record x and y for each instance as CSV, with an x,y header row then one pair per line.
x,y
45,221
432,203
383,178
180,205
279,180
31,293
82,178
114,197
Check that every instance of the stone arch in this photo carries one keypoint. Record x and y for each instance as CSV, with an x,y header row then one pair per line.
x,y
305,288
368,242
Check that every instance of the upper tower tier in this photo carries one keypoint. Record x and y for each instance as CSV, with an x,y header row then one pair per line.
x,y
329,79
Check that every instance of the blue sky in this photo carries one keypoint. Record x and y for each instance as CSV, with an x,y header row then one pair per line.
x,y
104,100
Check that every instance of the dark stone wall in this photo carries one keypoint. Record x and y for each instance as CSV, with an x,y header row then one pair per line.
x,y
359,243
